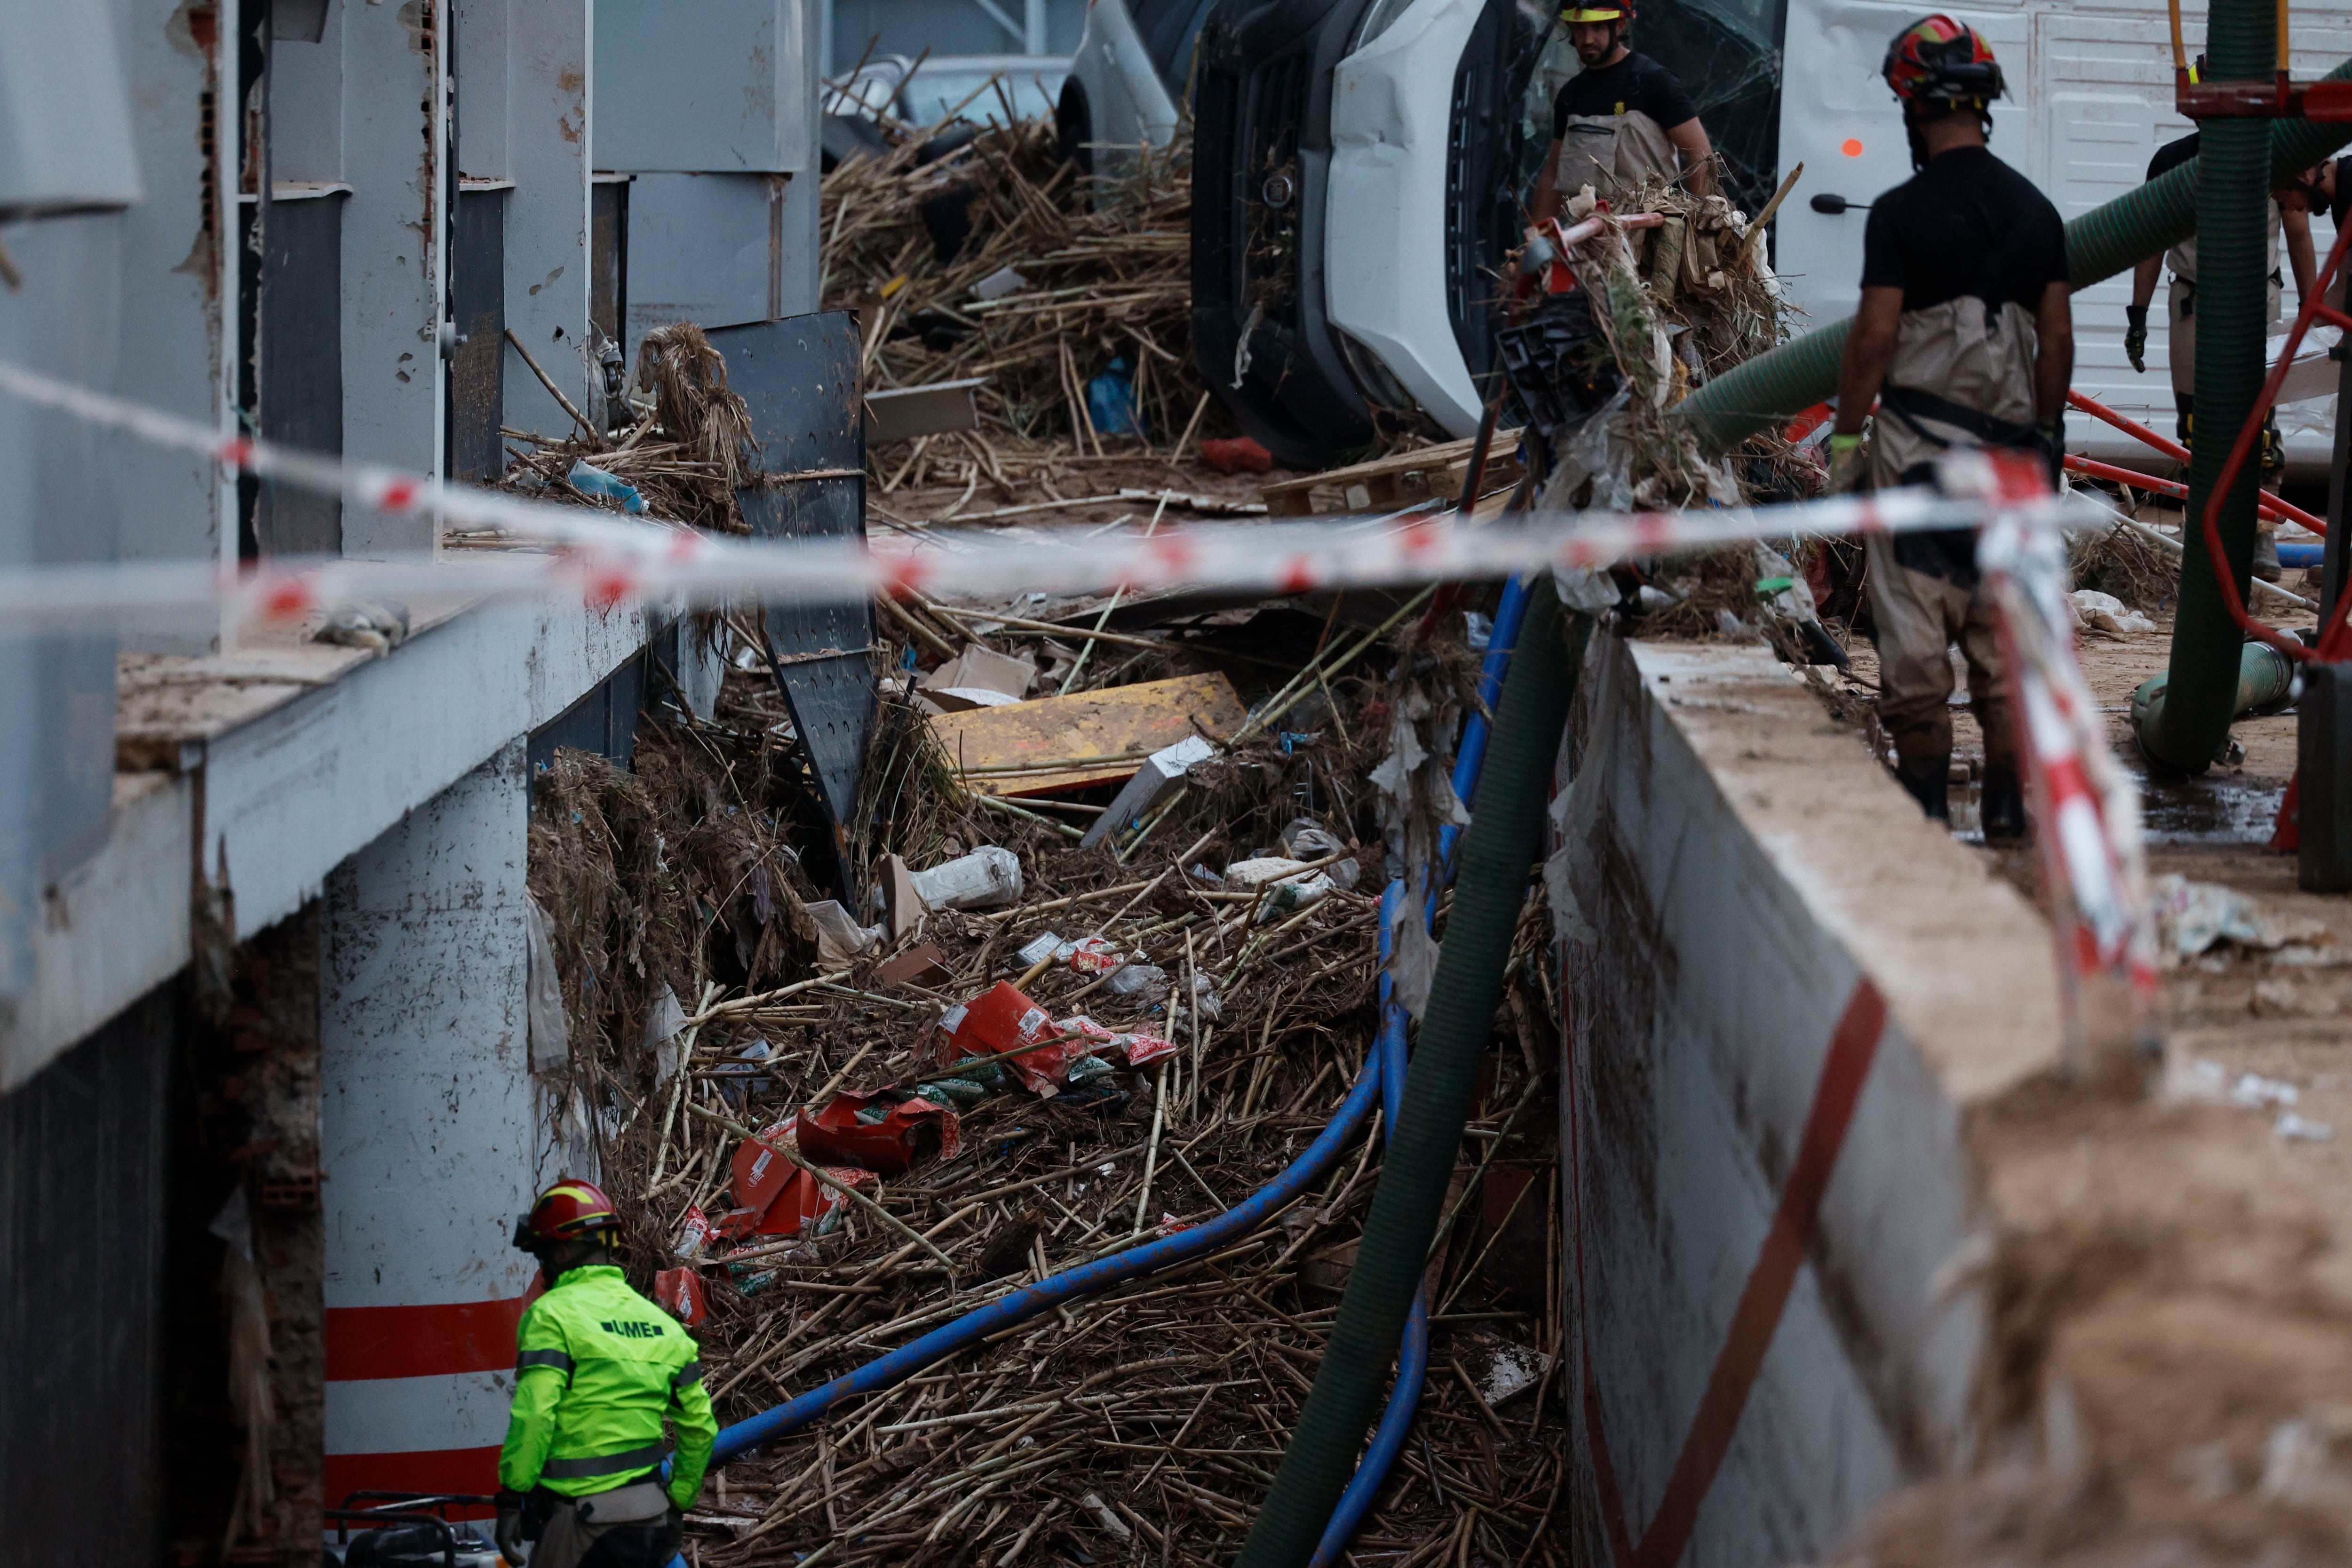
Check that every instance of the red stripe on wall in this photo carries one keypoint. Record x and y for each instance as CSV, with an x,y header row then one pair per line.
x,y
1853,1048
472,1470
422,1342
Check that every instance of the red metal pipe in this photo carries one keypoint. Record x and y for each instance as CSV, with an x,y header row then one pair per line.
x,y
2270,504
2333,634
2129,427
2271,507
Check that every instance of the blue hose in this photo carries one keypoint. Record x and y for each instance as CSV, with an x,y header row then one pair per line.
x,y
1510,611
1413,1355
1048,1293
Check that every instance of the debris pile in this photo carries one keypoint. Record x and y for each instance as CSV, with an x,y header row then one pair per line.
x,y
1069,294
832,1126
680,449
1667,293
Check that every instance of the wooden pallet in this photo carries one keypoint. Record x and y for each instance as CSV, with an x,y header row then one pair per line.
x,y
1386,483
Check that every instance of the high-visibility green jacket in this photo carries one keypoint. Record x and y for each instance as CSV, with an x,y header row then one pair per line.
x,y
598,1368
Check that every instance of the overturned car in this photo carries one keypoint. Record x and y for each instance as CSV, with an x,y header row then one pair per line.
x,y
1358,163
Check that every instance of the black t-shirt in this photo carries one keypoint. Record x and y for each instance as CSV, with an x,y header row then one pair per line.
x,y
1636,82
2172,154
1967,225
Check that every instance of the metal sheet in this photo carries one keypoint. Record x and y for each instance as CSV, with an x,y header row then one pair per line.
x,y
477,369
604,720
301,392
719,87
799,377
706,248
907,412
81,1219
608,256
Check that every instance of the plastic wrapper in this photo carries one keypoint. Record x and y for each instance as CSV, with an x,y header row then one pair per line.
x,y
694,1236
1135,1047
775,1197
1003,1018
1138,979
983,879
1086,955
679,1292
878,1134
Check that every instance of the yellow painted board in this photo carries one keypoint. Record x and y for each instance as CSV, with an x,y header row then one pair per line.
x,y
1052,743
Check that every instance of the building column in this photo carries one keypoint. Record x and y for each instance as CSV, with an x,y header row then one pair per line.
x,y
394,92
428,1139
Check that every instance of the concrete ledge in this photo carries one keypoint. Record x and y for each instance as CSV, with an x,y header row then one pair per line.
x,y
1786,994
289,787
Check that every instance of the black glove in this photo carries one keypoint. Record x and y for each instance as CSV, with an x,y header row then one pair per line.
x,y
508,1533
2135,337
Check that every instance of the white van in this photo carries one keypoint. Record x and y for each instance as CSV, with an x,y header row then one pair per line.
x,y
1412,128
2090,101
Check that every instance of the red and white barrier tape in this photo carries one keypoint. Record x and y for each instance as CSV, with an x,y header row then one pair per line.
x,y
2086,804
607,559
2085,807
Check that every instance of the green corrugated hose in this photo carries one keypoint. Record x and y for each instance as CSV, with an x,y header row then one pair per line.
x,y
2181,728
2100,244
2265,681
1488,892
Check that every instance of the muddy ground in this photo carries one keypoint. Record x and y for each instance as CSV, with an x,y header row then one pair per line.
x,y
2173,1273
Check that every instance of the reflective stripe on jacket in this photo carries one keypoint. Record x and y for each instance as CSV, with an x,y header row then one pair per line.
x,y
597,1367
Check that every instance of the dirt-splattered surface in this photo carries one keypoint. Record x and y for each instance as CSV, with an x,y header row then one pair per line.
x,y
2172,1381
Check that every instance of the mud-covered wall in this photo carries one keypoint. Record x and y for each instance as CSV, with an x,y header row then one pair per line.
x,y
429,1133
1772,1038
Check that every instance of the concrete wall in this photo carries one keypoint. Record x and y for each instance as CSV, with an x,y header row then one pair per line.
x,y
176,256
718,124
394,152
1775,1037
428,1137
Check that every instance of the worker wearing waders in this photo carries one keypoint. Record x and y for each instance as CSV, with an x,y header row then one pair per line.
x,y
2290,217
1622,120
599,1367
1965,337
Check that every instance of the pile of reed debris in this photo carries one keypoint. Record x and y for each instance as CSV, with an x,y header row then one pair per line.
x,y
708,997
996,258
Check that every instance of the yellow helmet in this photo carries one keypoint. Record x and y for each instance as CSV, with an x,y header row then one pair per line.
x,y
1602,12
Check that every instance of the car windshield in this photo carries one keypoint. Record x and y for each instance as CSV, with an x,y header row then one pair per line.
x,y
1728,55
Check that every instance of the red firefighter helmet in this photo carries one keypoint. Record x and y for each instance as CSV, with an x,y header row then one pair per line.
x,y
567,1212
1937,58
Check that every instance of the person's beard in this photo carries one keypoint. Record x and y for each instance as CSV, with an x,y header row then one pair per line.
x,y
1593,54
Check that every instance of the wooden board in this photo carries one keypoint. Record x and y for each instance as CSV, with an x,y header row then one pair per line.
x,y
1384,484
1094,737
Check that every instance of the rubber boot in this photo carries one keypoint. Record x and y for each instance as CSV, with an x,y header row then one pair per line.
x,y
1930,780
2000,804
2266,561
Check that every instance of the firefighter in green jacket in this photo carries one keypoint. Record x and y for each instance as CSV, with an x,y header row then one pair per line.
x,y
598,1368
